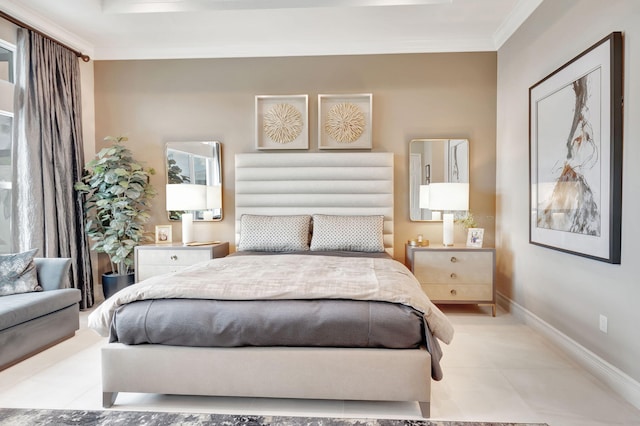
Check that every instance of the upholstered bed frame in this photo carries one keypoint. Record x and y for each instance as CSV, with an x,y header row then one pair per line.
x,y
278,184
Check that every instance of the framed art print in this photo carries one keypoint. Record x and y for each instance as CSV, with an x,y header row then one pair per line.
x,y
475,237
163,234
575,138
344,121
282,122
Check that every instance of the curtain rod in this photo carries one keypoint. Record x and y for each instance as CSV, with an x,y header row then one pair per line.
x,y
19,23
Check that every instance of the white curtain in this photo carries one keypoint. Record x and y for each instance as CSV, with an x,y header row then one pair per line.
x,y
48,157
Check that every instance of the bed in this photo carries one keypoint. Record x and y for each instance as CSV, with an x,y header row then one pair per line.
x,y
271,191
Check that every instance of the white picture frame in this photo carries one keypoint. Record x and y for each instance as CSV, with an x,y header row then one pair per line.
x,y
163,234
330,106
474,237
273,134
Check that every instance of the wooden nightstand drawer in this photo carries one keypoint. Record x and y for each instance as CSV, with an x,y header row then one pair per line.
x,y
453,267
148,271
462,293
173,257
157,259
455,274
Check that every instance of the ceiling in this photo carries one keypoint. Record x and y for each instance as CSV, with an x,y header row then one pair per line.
x,y
158,29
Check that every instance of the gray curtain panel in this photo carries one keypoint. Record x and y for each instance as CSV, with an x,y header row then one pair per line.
x,y
48,157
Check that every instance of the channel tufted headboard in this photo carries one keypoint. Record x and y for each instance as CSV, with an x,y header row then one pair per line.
x,y
308,183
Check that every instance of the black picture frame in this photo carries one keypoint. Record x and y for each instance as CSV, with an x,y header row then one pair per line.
x,y
575,154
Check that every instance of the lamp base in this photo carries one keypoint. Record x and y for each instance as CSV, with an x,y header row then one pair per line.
x,y
187,228
447,229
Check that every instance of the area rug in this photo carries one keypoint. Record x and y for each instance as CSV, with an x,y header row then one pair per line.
x,y
27,417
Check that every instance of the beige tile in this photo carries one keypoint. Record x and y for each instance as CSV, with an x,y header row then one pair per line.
x,y
496,369
480,395
297,407
181,403
571,396
382,410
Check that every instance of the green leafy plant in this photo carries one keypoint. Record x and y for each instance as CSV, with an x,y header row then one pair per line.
x,y
118,195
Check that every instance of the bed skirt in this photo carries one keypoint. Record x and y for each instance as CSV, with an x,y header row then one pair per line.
x,y
271,372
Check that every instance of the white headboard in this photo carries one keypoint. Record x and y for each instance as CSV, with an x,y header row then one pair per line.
x,y
323,183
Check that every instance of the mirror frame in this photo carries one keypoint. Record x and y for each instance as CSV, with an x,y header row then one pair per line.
x,y
461,169
213,176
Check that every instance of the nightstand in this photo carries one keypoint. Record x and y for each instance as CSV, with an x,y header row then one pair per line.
x,y
156,259
455,274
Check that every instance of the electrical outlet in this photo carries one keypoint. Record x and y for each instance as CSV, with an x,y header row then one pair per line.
x,y
603,323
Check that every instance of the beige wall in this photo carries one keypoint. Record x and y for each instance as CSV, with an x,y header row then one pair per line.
x,y
414,96
567,291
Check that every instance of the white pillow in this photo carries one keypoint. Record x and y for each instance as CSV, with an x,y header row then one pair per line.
x,y
347,233
274,233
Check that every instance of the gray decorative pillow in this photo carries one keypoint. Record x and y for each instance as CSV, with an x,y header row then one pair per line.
x,y
274,233
347,233
18,273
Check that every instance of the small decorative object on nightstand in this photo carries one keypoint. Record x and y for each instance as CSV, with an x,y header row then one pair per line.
x,y
455,274
156,259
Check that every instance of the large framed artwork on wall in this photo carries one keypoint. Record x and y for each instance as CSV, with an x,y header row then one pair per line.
x,y
575,141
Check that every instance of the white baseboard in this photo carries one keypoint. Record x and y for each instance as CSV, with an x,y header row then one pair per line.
x,y
620,382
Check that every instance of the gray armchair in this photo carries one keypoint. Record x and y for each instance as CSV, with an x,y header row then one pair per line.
x,y
33,322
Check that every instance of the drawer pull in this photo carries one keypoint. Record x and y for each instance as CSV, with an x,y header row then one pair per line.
x,y
453,259
454,292
453,275
174,257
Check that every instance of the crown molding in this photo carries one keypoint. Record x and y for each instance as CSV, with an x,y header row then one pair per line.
x,y
519,14
336,47
48,27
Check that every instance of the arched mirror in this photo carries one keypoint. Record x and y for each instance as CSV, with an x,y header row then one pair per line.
x,y
194,180
434,161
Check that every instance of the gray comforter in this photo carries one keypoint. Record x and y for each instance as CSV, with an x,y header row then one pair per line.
x,y
228,323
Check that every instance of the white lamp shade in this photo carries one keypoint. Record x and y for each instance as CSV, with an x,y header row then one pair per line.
x,y
449,196
186,197
424,196
214,197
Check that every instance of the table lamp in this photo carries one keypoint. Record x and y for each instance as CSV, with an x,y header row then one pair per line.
x,y
448,197
186,197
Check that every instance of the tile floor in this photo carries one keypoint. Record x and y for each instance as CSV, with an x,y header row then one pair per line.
x,y
496,369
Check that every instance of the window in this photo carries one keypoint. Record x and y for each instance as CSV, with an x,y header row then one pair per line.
x,y
7,88
6,62
6,127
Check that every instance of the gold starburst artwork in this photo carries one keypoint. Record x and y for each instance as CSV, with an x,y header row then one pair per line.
x,y
345,122
282,123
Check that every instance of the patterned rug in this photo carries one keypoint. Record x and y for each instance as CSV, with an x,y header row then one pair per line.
x,y
26,417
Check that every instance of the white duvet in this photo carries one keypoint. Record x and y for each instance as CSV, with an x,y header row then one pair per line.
x,y
287,276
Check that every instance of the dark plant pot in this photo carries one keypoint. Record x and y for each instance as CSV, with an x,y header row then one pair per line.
x,y
113,283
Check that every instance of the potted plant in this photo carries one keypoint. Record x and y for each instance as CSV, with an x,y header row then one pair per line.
x,y
118,195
